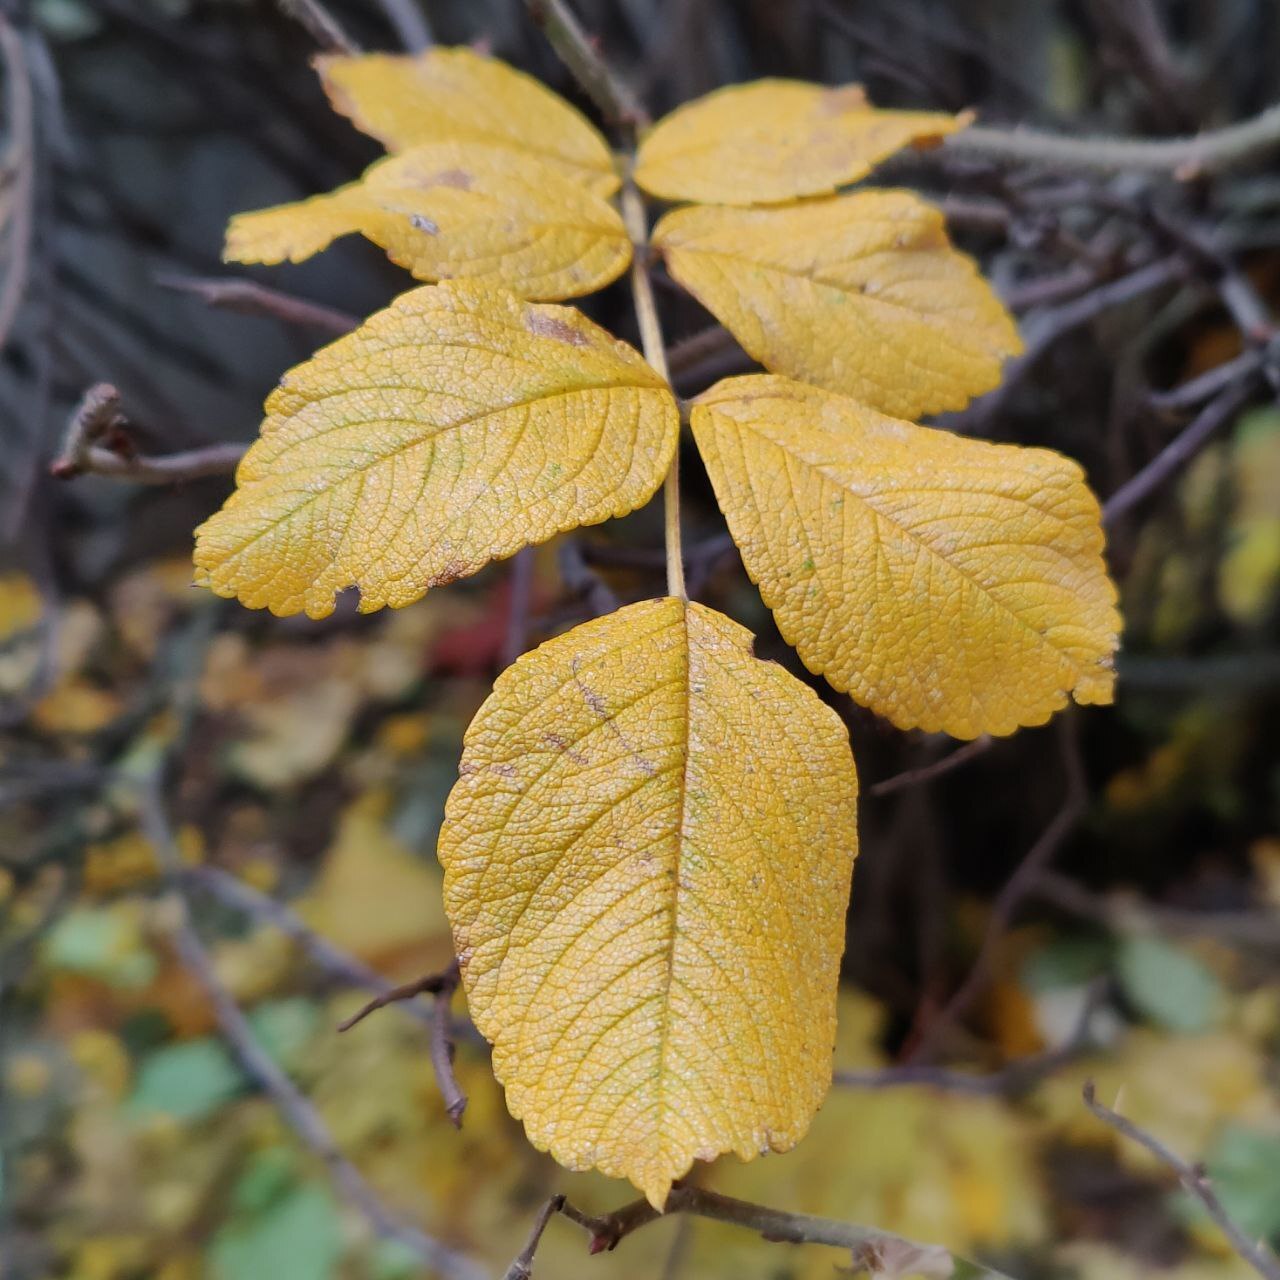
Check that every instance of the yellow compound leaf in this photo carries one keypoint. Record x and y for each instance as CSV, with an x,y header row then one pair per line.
x,y
647,861
948,584
454,210
775,140
451,429
458,95
861,294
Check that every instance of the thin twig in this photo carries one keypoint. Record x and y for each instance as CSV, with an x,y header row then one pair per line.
x,y
927,773
321,25
97,442
1179,451
615,99
1012,1079
1194,1180
270,1077
874,1250
1195,391
250,298
21,162
410,24
1016,888
441,987
434,1016
521,1267
1127,914
1212,151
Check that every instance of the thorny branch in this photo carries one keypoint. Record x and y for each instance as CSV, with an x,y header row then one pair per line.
x,y
1194,1180
97,442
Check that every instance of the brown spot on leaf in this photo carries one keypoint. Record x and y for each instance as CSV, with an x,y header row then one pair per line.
x,y
545,326
457,178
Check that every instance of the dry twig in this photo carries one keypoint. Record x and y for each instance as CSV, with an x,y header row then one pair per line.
x,y
1194,1180
97,443
250,298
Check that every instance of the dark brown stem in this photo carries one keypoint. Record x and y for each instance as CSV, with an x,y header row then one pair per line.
x,y
441,986
927,773
249,298
1195,1181
1016,888
1180,450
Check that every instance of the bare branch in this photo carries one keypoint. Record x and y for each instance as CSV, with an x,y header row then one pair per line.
x,y
321,25
1212,151
441,986
435,1016
1009,1081
97,442
250,298
293,1104
20,163
522,1267
870,1249
1194,1180
927,773
1180,450
613,96
1016,888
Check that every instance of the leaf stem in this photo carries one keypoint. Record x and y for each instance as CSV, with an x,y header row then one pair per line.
x,y
655,352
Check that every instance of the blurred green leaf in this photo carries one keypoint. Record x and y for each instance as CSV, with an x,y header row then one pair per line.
x,y
187,1081
1168,986
298,1237
1244,1167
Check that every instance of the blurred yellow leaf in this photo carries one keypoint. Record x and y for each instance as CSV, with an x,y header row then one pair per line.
x,y
20,612
458,95
948,584
861,294
775,140
451,429
1220,1077
647,863
456,211
373,897
1250,573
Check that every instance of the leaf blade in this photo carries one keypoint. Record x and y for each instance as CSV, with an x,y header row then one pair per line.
x,y
453,428
458,95
861,294
775,140
661,762
949,584
455,211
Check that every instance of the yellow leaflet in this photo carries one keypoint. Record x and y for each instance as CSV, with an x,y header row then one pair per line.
x,y
451,429
454,210
647,861
948,584
776,140
458,95
860,293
